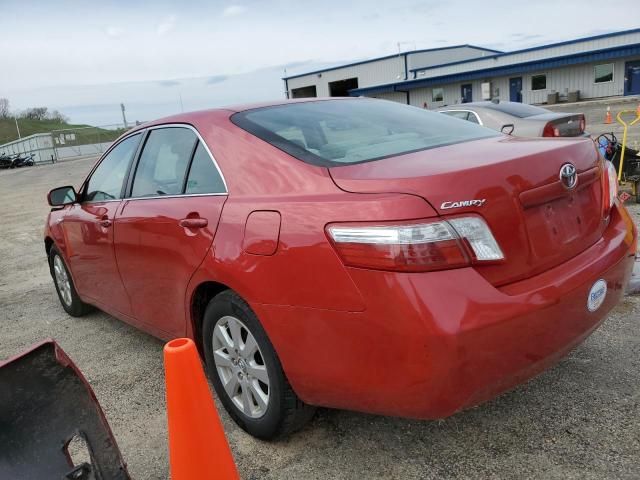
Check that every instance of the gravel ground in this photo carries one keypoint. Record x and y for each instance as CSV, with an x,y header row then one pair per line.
x,y
579,420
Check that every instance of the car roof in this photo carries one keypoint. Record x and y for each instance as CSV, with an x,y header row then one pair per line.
x,y
187,117
190,117
468,105
211,114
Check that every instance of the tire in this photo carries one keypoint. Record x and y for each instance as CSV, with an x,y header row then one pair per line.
x,y
68,295
284,412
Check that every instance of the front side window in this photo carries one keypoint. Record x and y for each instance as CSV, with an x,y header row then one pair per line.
x,y
106,180
339,132
538,82
603,73
203,175
163,162
437,95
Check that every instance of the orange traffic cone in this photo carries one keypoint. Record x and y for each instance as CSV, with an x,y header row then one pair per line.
x,y
607,119
638,110
198,448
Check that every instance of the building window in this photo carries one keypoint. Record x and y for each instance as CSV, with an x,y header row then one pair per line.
x,y
538,82
437,95
603,73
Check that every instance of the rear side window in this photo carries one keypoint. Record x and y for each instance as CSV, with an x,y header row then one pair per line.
x,y
203,175
339,132
163,162
473,117
458,114
106,180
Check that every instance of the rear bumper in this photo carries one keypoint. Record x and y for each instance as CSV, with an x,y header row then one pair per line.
x,y
431,344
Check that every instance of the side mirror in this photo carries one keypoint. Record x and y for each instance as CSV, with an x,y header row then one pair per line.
x,y
61,196
508,128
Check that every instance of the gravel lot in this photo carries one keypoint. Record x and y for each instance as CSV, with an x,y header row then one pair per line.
x,y
579,420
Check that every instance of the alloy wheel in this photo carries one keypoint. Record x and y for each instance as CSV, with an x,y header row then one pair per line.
x,y
240,366
62,280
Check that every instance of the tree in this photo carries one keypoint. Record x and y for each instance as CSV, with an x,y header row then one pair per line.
x,y
4,108
35,113
58,117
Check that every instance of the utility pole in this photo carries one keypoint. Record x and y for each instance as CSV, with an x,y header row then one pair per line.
x,y
124,117
286,85
17,127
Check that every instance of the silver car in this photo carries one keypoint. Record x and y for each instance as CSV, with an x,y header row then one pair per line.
x,y
519,119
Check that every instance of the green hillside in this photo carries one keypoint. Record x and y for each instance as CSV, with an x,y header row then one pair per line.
x,y
84,134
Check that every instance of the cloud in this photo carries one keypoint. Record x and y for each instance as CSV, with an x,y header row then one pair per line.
x,y
168,83
525,36
297,63
166,25
234,10
114,32
216,79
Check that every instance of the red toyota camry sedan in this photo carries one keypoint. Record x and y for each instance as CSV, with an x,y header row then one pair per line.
x,y
348,253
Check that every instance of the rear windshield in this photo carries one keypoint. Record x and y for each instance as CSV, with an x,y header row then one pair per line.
x,y
519,110
339,132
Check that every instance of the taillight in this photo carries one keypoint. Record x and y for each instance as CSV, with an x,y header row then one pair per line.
x,y
609,186
416,247
583,124
550,130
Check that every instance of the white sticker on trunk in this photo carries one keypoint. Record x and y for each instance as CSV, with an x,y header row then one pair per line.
x,y
597,295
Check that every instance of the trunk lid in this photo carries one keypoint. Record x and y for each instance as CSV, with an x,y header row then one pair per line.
x,y
567,124
537,222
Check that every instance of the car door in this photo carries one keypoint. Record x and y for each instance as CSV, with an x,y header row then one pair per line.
x,y
88,230
167,224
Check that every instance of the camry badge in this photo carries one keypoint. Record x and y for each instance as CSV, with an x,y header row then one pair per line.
x,y
568,176
463,203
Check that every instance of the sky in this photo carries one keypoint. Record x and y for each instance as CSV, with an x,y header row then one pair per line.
x,y
84,58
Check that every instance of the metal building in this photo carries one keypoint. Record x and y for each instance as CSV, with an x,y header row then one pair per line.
x,y
593,67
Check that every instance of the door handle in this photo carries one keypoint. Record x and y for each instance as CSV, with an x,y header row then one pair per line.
x,y
194,222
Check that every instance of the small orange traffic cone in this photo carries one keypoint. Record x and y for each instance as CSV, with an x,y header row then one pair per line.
x,y
638,110
198,448
607,118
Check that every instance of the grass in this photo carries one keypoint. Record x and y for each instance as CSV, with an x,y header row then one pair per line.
x,y
84,134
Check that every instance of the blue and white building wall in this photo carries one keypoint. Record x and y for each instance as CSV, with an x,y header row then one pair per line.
x,y
602,66
599,66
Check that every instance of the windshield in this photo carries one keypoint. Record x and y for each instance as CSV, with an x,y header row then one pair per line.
x,y
338,132
519,110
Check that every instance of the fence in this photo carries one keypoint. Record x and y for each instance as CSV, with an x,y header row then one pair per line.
x,y
84,141
65,144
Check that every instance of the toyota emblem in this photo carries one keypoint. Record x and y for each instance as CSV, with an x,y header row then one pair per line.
x,y
568,176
